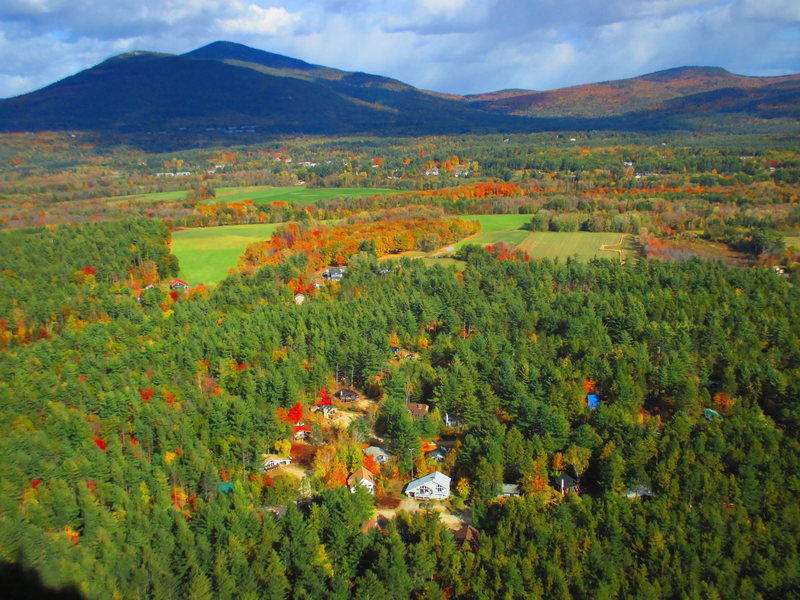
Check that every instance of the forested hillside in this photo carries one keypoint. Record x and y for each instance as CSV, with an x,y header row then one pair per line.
x,y
131,434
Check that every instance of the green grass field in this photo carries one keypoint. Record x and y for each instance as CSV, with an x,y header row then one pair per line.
x,y
512,237
261,194
498,222
583,244
206,254
296,194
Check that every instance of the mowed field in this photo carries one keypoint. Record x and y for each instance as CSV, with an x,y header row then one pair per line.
x,y
262,194
206,254
295,194
585,245
544,244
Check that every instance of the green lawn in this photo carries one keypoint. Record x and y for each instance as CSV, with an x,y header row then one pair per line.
x,y
295,194
498,222
206,254
584,244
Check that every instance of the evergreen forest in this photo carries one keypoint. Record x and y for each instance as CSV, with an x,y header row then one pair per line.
x,y
134,420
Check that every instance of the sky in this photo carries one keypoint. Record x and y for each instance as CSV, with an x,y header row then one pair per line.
x,y
453,46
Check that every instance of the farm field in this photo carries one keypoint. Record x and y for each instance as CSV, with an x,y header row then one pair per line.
x,y
491,223
205,254
512,237
293,194
260,194
583,244
792,241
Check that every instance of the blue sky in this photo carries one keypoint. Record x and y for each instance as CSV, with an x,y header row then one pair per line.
x,y
456,46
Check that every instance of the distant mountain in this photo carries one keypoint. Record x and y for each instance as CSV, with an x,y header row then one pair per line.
x,y
234,88
655,92
226,85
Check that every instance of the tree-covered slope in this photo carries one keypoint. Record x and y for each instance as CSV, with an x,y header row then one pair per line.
x,y
116,434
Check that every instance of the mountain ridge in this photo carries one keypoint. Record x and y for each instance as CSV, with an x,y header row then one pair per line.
x,y
224,85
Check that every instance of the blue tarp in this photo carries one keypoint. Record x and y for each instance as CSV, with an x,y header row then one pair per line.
x,y
226,487
593,400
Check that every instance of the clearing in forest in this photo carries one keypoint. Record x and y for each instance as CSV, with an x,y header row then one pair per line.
x,y
583,244
206,253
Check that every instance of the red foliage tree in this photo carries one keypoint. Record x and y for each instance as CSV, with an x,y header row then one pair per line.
x,y
324,398
295,413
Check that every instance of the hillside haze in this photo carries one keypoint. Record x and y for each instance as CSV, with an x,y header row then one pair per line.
x,y
231,87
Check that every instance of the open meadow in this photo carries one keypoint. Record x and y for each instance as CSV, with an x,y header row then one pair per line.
x,y
545,244
562,245
260,194
205,254
299,194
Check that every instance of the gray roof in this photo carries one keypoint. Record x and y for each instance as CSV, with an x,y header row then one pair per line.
x,y
376,451
435,477
510,489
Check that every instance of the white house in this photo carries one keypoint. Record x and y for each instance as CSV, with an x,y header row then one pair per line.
x,y
363,478
434,486
273,461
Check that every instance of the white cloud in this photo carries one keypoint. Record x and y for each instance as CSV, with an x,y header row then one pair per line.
x,y
252,19
459,46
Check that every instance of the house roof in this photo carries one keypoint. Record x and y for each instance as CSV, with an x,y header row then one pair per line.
x,y
376,451
269,457
418,410
358,475
637,490
301,427
565,482
435,477
510,489
467,534
178,282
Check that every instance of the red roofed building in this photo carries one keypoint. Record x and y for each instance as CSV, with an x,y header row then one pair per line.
x,y
301,431
178,284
